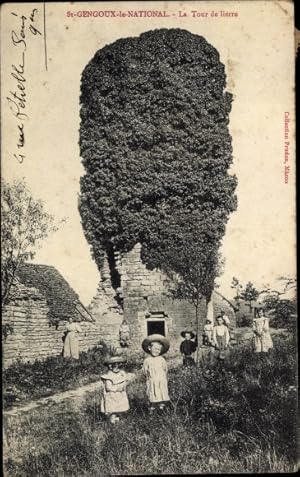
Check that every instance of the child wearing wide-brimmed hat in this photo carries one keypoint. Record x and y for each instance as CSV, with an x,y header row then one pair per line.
x,y
114,400
156,371
188,348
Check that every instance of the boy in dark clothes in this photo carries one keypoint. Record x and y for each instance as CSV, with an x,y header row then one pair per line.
x,y
187,348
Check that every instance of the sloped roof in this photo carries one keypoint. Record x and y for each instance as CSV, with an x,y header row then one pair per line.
x,y
230,303
61,299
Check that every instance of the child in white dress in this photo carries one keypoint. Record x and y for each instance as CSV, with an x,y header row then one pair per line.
x,y
156,371
124,334
262,339
208,333
114,400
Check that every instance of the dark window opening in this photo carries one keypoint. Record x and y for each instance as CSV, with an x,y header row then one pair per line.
x,y
156,327
114,274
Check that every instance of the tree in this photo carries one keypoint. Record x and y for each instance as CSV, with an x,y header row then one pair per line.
x,y
283,310
238,289
155,146
249,294
285,285
196,268
25,224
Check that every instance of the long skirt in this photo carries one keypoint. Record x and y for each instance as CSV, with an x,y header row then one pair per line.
x,y
221,346
71,347
263,343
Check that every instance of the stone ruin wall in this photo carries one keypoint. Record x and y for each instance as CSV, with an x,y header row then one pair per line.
x,y
147,297
144,296
32,337
105,309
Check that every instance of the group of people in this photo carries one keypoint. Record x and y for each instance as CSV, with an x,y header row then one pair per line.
x,y
218,337
215,336
114,400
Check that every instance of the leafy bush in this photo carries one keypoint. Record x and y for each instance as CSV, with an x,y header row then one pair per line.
x,y
285,315
244,320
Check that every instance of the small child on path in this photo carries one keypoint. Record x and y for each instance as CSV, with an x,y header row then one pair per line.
x,y
221,337
187,348
156,371
114,400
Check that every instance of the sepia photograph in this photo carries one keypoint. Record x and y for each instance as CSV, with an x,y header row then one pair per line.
x,y
148,238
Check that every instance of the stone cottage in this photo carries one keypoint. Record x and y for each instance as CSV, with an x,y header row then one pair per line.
x,y
34,321
129,290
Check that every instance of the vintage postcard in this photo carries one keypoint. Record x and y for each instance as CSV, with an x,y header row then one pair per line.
x,y
149,308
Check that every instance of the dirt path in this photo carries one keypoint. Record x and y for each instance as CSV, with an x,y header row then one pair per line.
x,y
77,394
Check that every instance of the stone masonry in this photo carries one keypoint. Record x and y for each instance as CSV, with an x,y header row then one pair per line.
x,y
33,337
146,303
30,335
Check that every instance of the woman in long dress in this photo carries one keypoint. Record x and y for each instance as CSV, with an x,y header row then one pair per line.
x,y
261,334
71,346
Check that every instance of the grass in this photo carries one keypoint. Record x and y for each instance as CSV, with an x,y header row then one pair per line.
x,y
26,381
233,418
23,382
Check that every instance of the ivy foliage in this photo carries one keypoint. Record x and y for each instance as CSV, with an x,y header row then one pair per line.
x,y
155,145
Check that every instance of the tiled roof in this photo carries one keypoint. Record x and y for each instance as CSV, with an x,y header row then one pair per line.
x,y
61,299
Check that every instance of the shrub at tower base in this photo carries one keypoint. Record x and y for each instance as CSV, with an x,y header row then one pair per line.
x,y
156,149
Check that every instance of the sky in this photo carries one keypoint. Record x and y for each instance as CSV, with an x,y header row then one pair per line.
x,y
257,49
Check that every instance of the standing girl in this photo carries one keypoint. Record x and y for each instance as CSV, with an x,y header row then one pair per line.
x,y
262,339
114,400
156,371
221,337
71,346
